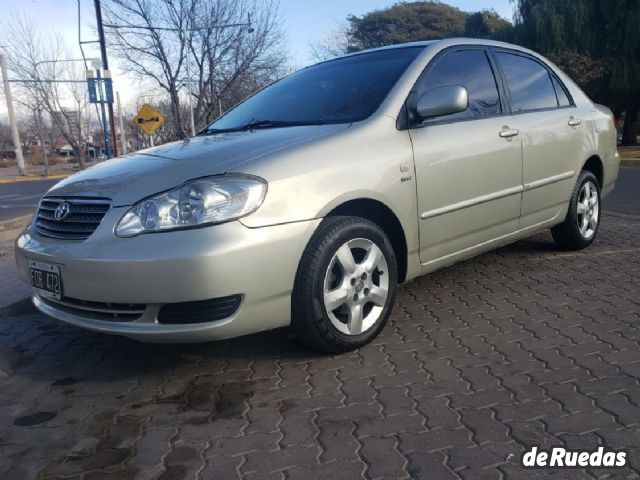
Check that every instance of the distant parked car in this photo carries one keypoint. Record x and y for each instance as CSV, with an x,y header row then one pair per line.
x,y
309,202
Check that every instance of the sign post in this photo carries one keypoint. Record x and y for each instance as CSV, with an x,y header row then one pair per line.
x,y
148,120
101,92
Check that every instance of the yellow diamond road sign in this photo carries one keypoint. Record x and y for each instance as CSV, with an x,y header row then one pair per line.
x,y
148,119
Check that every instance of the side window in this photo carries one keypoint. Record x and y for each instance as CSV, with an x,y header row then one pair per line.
x,y
561,93
529,83
470,69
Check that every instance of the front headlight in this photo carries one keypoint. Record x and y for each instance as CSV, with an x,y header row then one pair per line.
x,y
204,201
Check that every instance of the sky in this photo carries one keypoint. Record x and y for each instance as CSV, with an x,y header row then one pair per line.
x,y
303,22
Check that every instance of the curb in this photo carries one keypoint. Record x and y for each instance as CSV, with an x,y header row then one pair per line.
x,y
31,178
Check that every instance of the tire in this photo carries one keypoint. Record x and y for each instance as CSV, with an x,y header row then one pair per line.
x,y
581,224
337,302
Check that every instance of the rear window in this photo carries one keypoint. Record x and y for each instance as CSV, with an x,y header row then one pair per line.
x,y
561,93
529,83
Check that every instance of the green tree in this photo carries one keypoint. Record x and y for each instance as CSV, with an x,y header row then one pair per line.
x,y
405,22
594,41
410,22
487,24
581,68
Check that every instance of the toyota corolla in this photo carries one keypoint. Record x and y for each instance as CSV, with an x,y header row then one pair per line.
x,y
308,203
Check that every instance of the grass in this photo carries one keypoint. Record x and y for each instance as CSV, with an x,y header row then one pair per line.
x,y
34,161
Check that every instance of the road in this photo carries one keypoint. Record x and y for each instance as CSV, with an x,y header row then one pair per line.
x,y
625,198
21,198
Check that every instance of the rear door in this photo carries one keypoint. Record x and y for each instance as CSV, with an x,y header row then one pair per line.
x,y
468,164
551,130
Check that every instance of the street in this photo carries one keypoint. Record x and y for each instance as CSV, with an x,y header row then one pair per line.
x,y
21,198
625,198
523,346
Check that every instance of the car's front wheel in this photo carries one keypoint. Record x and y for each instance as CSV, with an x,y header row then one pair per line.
x,y
581,224
345,286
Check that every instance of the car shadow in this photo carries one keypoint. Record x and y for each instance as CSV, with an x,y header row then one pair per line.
x,y
55,352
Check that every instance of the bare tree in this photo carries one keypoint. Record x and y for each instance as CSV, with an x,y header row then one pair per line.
x,y
47,84
333,45
6,142
35,132
228,60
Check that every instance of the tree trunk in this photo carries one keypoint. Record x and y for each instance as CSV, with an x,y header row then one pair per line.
x,y
45,158
80,155
177,117
630,129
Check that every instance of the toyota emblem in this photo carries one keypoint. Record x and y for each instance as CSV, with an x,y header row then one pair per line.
x,y
61,211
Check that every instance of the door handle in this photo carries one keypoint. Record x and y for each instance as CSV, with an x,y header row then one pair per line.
x,y
507,132
574,122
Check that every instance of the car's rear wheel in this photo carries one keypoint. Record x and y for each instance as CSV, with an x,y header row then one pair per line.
x,y
581,224
345,286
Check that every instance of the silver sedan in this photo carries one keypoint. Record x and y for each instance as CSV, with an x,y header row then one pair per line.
x,y
308,203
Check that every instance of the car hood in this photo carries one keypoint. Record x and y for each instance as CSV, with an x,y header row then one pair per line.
x,y
130,178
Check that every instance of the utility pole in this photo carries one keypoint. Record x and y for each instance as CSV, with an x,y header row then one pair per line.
x,y
45,157
105,128
105,66
123,138
187,62
12,116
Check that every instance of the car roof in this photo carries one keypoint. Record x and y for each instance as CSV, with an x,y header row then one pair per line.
x,y
445,42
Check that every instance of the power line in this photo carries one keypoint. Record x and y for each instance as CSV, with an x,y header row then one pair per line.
x,y
174,29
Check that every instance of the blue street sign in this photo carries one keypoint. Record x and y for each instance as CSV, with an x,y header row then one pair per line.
x,y
91,86
100,88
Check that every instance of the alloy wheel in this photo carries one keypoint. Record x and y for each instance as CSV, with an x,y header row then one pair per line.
x,y
588,209
356,286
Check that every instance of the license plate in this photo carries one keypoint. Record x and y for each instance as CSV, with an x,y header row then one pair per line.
x,y
45,278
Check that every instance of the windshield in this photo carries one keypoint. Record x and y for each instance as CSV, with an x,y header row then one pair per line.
x,y
338,91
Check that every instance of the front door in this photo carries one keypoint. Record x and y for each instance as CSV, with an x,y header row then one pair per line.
x,y
469,164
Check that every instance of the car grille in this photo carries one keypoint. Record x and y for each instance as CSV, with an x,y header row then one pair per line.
x,y
115,312
83,217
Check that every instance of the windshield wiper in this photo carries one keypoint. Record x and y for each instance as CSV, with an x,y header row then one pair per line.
x,y
265,124
257,124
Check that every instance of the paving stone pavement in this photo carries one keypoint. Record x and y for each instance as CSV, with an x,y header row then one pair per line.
x,y
522,346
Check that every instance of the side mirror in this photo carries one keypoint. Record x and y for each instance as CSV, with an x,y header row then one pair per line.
x,y
443,101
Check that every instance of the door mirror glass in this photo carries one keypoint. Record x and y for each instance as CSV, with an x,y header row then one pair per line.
x,y
442,101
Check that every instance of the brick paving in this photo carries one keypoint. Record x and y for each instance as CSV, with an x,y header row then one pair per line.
x,y
522,346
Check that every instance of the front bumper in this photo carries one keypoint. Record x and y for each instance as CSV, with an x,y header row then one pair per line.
x,y
181,266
